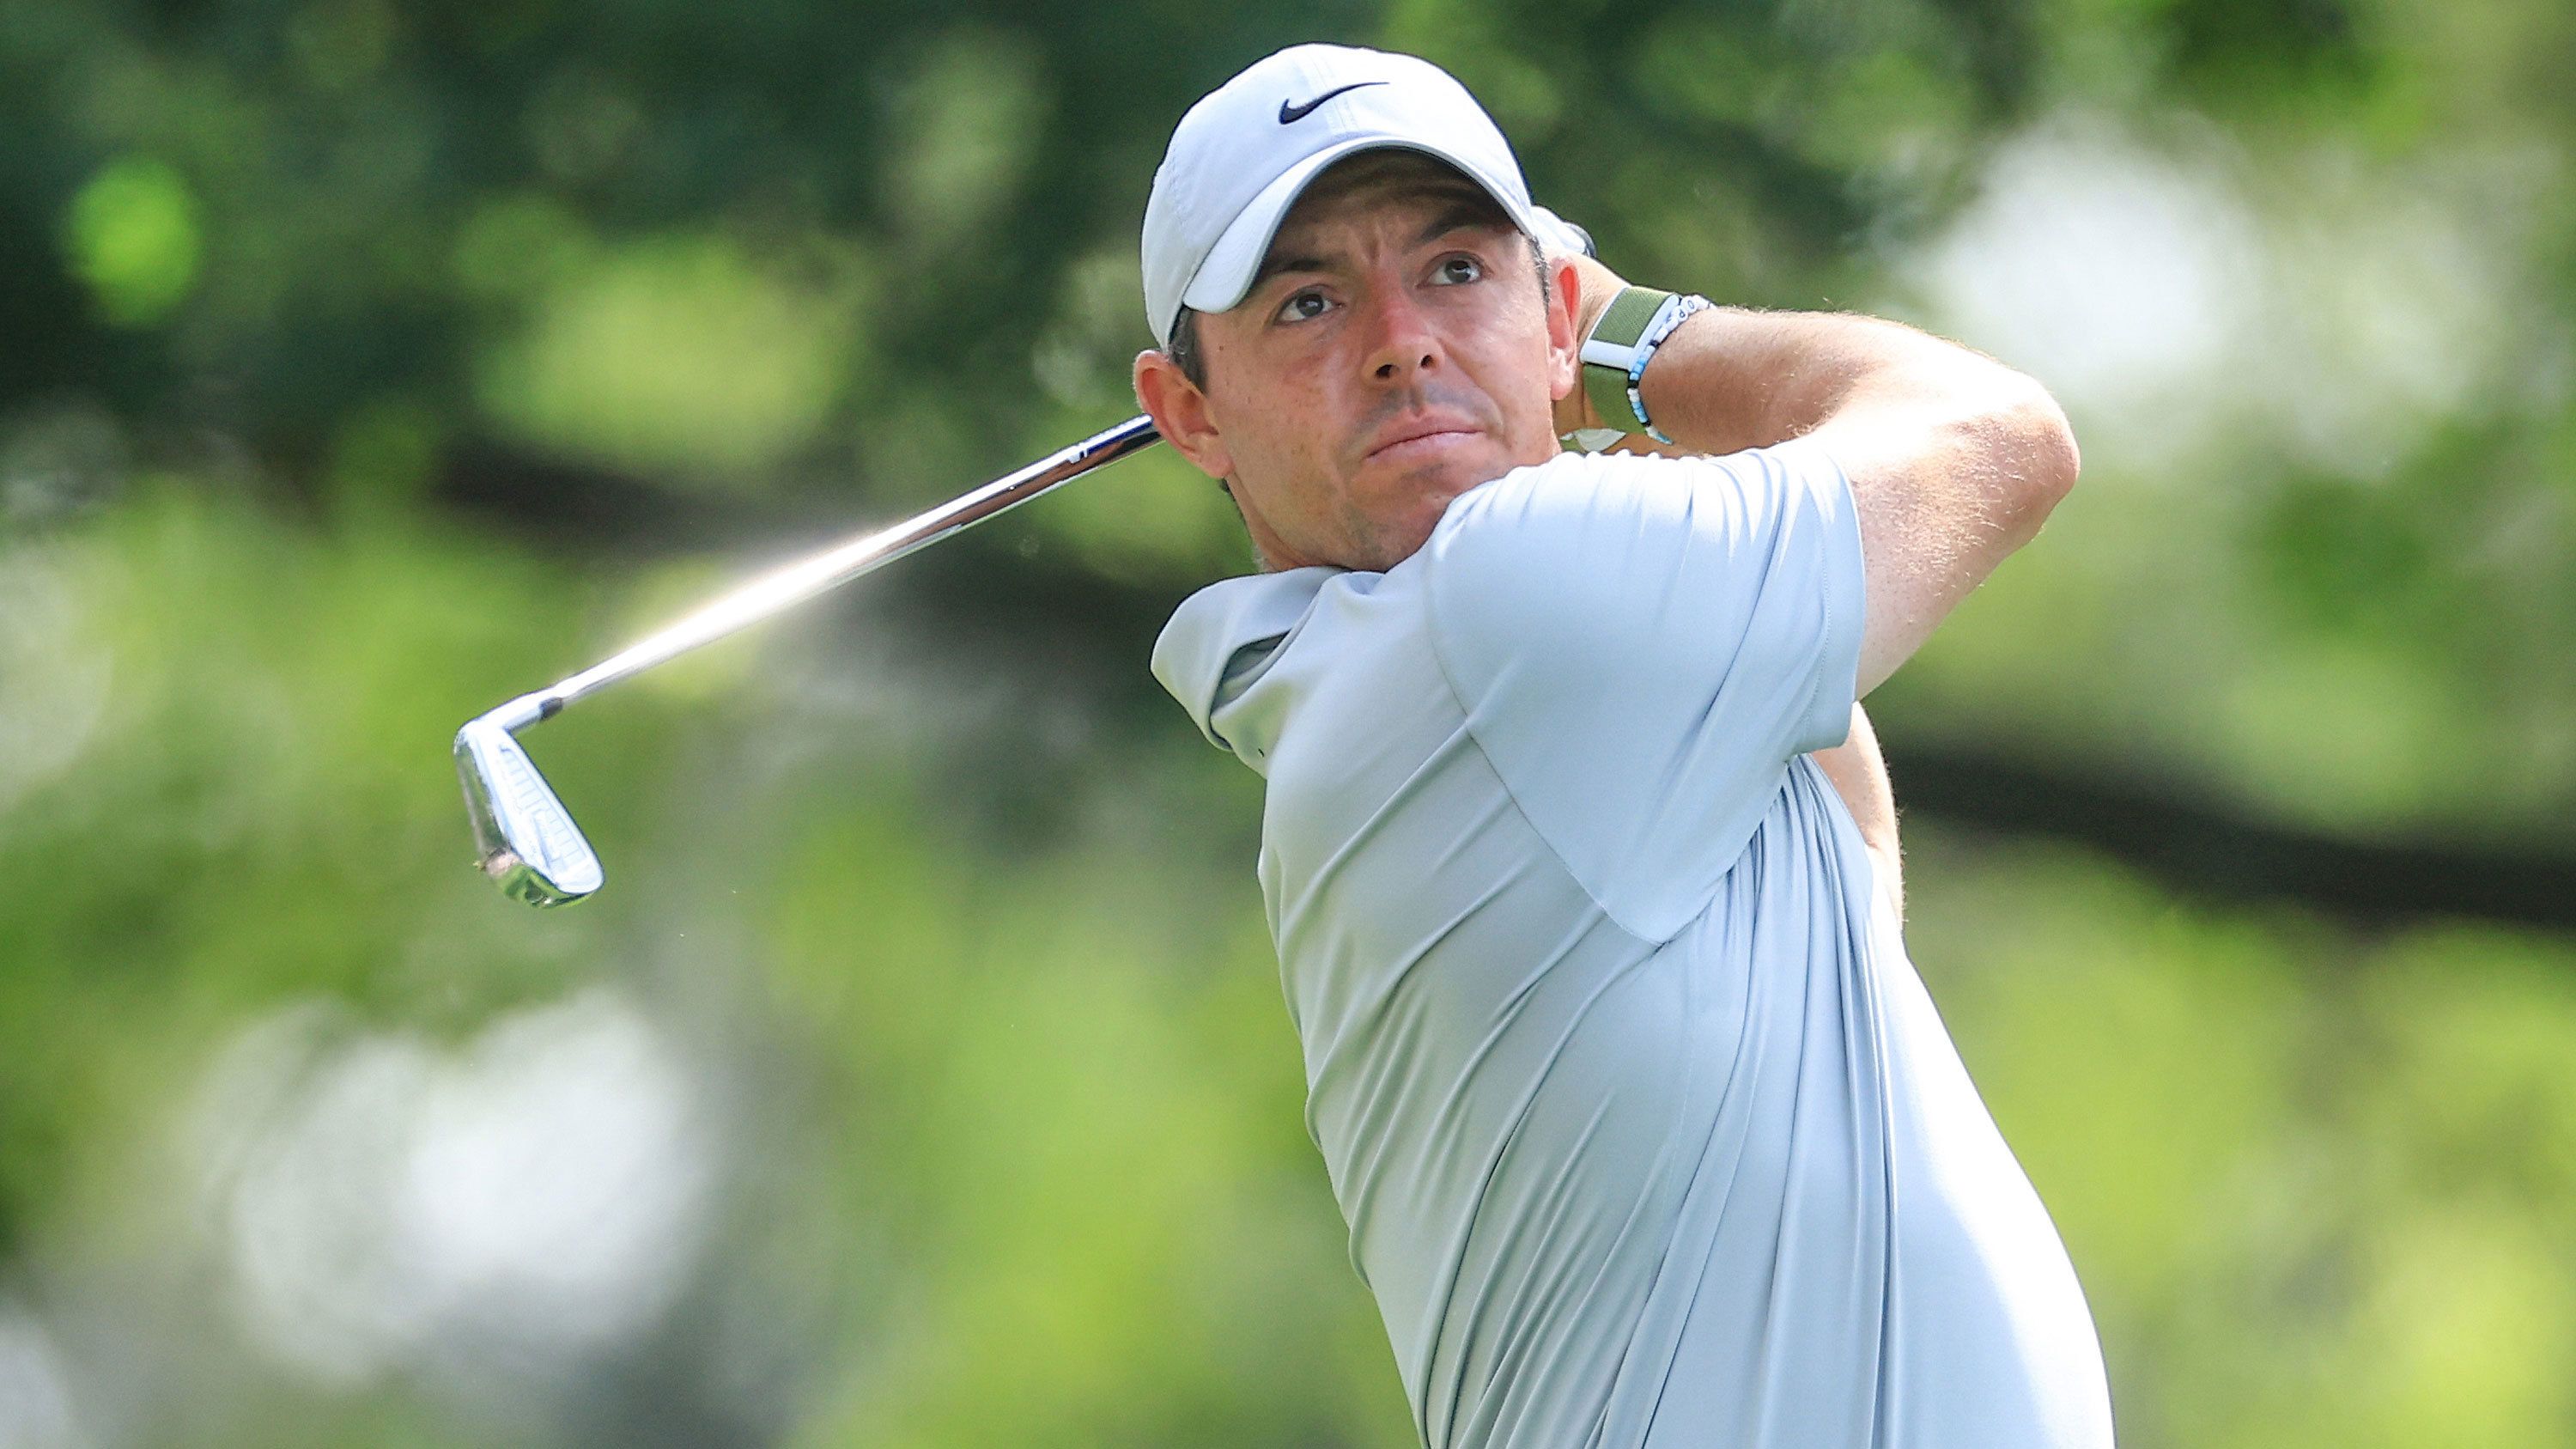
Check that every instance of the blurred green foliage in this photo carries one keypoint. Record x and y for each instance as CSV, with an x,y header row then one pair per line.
x,y
367,363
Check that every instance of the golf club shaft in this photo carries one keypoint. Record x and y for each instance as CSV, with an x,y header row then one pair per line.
x,y
802,580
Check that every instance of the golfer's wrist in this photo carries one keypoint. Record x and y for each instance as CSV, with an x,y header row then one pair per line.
x,y
1620,345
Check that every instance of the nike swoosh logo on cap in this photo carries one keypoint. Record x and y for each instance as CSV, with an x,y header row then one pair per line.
x,y
1290,114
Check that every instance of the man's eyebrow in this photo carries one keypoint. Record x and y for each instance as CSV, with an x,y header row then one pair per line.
x,y
1274,264
1463,210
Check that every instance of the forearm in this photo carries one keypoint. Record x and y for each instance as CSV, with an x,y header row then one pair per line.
x,y
1732,378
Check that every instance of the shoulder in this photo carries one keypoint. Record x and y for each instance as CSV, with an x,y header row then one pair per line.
x,y
1639,645
1586,539
1545,519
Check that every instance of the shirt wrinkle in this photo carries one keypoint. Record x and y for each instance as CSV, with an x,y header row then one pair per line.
x,y
1449,680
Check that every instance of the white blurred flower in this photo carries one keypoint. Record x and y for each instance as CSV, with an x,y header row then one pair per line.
x,y
538,1193
2340,306
2120,278
53,678
35,1403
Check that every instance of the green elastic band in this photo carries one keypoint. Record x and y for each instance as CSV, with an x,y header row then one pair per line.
x,y
1622,323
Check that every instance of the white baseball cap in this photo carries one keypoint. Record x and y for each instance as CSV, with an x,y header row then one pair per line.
x,y
1248,149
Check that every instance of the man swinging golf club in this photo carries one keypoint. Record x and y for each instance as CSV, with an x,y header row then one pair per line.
x,y
1578,854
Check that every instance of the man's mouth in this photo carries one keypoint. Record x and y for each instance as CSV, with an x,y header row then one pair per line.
x,y
1421,438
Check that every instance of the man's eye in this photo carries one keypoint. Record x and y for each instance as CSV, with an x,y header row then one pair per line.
x,y
1461,269
1303,307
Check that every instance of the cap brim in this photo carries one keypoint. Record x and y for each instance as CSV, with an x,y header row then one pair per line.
x,y
1222,280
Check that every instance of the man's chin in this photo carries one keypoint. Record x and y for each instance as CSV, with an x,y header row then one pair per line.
x,y
1411,500
1412,525
1443,475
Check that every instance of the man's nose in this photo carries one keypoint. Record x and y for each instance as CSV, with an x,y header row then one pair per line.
x,y
1400,340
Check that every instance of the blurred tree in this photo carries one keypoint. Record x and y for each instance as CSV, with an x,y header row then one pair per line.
x,y
366,362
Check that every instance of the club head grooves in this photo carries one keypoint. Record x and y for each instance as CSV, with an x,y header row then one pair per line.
x,y
527,842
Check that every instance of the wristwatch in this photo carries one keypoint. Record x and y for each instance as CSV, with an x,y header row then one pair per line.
x,y
1623,341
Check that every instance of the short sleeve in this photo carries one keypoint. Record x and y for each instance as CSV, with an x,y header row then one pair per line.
x,y
1641,645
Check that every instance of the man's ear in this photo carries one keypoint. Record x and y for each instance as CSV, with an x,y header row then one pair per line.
x,y
1564,337
1180,413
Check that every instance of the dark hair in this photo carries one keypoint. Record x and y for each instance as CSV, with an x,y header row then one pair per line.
x,y
1186,355
1184,349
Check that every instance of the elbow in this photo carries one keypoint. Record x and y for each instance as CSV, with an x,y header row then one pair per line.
x,y
2054,460
2041,460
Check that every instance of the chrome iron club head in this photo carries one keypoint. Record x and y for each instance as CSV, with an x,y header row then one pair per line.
x,y
527,840
525,837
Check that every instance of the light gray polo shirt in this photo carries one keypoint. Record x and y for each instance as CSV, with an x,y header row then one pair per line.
x,y
1644,1128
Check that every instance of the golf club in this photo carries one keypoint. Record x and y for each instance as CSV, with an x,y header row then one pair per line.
x,y
527,841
